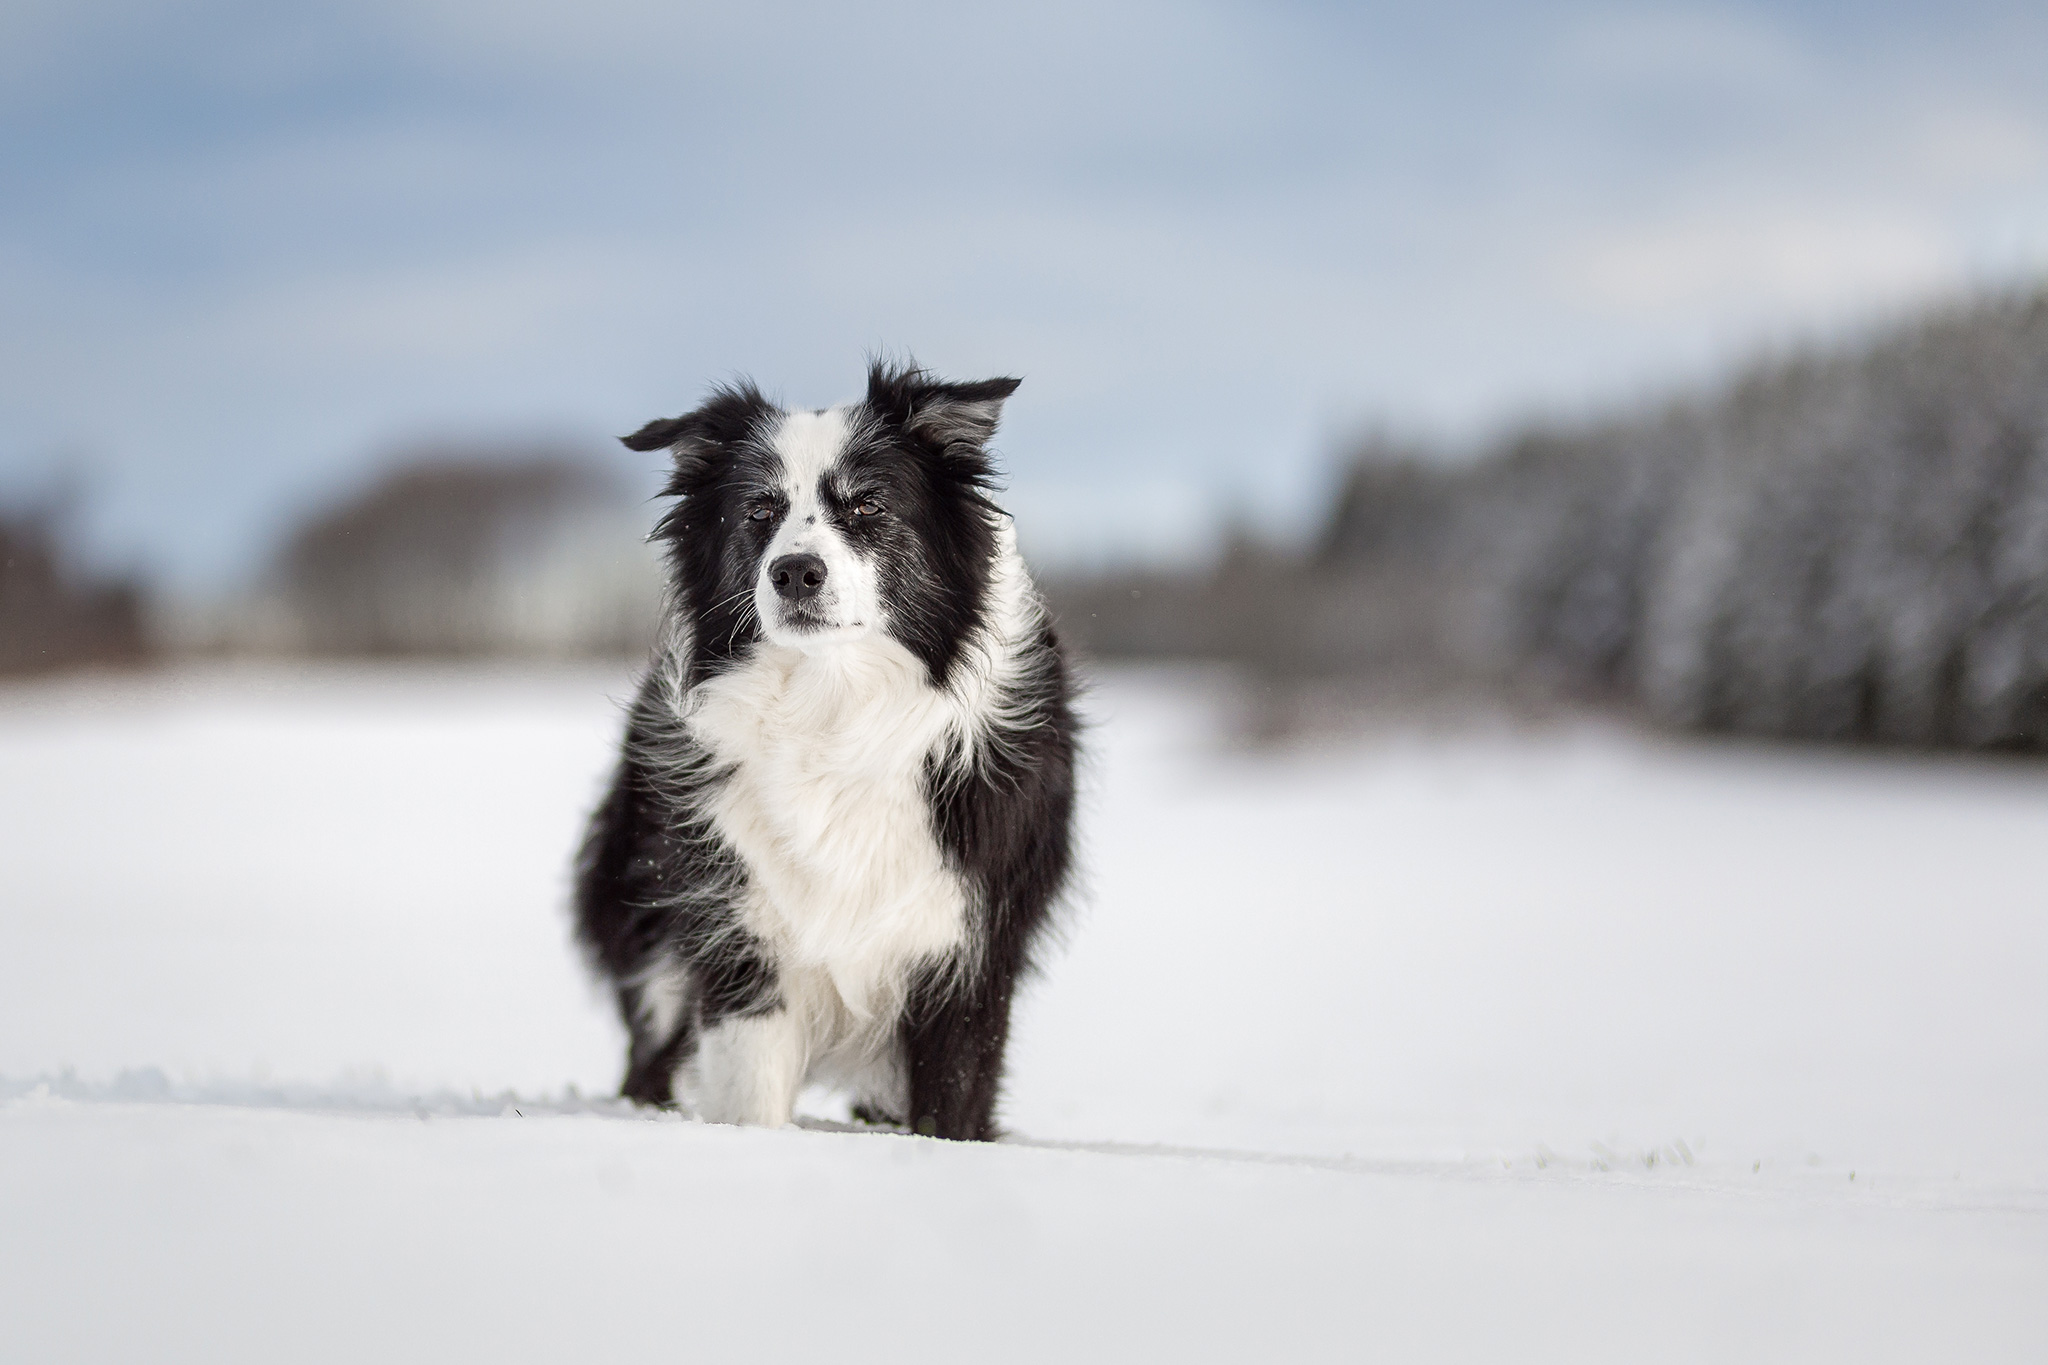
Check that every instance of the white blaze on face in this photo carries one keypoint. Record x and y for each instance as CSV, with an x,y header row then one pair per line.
x,y
849,604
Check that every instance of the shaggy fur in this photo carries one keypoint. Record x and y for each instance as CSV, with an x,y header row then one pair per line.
x,y
840,823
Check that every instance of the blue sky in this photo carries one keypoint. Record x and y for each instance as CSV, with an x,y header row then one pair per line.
x,y
249,251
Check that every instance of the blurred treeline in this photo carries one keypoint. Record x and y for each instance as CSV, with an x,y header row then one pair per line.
x,y
55,612
451,552
460,552
1846,544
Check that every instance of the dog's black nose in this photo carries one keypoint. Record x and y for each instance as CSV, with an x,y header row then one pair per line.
x,y
797,576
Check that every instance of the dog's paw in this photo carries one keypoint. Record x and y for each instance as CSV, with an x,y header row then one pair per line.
x,y
875,1118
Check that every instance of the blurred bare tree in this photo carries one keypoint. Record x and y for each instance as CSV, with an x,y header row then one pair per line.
x,y
469,552
55,614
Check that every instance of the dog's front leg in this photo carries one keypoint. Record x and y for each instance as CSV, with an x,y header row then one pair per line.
x,y
954,1047
750,1068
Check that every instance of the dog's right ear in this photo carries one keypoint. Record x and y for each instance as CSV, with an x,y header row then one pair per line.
x,y
702,439
662,431
689,441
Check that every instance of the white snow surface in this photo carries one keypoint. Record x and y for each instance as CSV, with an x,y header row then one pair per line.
x,y
1468,1043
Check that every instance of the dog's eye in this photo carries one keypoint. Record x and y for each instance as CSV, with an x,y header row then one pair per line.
x,y
868,507
761,514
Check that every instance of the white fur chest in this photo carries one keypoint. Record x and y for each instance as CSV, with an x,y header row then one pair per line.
x,y
825,803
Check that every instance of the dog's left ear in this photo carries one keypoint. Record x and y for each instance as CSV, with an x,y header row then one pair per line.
x,y
946,415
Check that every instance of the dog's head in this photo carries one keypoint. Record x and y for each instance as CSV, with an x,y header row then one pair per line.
x,y
815,530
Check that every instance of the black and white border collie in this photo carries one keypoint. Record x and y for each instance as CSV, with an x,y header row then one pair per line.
x,y
841,820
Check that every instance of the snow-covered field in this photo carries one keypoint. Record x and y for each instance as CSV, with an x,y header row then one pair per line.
x,y
1478,1044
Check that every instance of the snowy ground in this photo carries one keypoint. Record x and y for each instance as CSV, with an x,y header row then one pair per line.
x,y
1470,1045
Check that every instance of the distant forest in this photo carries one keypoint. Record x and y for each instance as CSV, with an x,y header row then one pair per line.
x,y
1847,545
56,614
468,552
